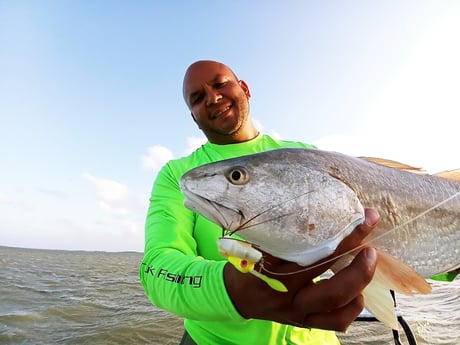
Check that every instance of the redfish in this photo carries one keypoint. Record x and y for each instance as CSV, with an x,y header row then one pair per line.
x,y
298,204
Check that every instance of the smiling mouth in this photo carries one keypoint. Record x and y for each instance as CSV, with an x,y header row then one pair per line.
x,y
219,113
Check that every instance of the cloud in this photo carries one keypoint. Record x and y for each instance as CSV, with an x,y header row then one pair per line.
x,y
156,157
115,198
17,203
262,129
108,190
350,145
159,155
414,118
193,143
59,194
123,214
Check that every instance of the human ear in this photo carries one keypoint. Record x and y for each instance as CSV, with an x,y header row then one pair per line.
x,y
245,88
194,120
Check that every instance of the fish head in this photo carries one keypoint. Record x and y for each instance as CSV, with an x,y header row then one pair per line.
x,y
276,201
208,194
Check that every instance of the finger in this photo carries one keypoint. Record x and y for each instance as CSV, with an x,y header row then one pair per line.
x,y
372,217
337,320
340,289
293,276
371,220
361,231
347,301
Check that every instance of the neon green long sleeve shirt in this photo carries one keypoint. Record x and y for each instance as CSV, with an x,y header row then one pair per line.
x,y
182,270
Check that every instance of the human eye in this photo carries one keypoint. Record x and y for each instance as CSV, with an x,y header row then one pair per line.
x,y
220,83
196,98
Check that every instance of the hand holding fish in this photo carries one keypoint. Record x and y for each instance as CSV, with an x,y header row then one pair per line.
x,y
329,304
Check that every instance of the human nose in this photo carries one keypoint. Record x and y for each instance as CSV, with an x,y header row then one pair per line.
x,y
212,96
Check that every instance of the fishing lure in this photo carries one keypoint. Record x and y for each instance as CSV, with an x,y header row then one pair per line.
x,y
244,258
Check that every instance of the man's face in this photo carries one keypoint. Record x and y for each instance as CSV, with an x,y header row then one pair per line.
x,y
217,100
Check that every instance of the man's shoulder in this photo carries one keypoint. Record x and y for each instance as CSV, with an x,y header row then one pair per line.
x,y
187,162
282,143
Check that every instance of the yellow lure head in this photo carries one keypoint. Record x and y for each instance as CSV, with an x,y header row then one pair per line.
x,y
242,265
243,257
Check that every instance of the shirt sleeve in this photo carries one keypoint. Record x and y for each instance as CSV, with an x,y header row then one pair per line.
x,y
174,277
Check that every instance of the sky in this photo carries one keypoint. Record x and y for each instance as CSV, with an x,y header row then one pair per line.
x,y
91,97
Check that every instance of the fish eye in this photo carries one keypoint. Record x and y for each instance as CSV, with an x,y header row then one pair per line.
x,y
238,175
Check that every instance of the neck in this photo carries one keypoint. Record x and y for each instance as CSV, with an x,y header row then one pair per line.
x,y
235,138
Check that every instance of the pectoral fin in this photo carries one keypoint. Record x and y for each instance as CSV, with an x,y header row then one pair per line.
x,y
378,300
390,274
377,297
396,275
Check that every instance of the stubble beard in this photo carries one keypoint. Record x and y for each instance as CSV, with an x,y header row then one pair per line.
x,y
243,118
227,133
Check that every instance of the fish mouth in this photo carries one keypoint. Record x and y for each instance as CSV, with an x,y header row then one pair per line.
x,y
218,213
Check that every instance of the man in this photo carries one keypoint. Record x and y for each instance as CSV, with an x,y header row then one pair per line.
x,y
182,270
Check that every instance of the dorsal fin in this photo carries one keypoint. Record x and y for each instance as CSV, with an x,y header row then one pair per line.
x,y
450,174
393,164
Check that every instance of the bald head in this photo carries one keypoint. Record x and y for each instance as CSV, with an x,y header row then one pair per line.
x,y
218,102
198,71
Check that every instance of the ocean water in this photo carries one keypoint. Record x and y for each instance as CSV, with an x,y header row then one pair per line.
x,y
73,297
